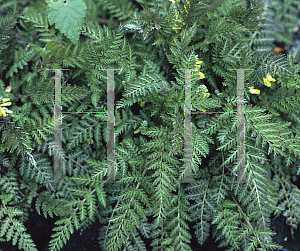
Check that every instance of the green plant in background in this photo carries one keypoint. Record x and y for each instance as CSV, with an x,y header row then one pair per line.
x,y
149,142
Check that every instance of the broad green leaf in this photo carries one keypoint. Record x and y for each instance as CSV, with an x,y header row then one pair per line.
x,y
68,17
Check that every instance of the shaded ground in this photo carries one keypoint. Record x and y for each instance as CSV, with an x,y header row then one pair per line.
x,y
41,229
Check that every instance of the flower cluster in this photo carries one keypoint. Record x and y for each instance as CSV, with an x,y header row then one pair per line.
x,y
198,67
4,110
266,80
202,89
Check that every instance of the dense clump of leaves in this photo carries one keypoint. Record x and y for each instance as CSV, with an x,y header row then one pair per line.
x,y
150,133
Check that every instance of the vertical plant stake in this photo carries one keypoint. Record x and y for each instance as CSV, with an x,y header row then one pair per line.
x,y
110,128
57,128
240,126
188,143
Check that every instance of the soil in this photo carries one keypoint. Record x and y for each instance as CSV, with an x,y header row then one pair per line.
x,y
40,229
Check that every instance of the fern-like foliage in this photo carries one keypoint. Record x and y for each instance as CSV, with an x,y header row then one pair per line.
x,y
149,198
6,25
12,225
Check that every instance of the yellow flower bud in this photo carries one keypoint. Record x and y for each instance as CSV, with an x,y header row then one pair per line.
x,y
253,91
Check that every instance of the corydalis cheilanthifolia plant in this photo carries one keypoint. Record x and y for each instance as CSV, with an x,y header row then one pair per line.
x,y
149,150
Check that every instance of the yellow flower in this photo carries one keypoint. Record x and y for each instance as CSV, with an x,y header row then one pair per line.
x,y
201,74
4,110
5,99
253,91
268,79
173,1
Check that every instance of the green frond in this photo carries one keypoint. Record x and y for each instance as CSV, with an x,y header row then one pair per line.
x,y
6,25
13,229
63,232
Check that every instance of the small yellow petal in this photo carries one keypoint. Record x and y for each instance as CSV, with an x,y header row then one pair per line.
x,y
2,112
254,91
269,78
5,99
268,84
6,104
201,75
